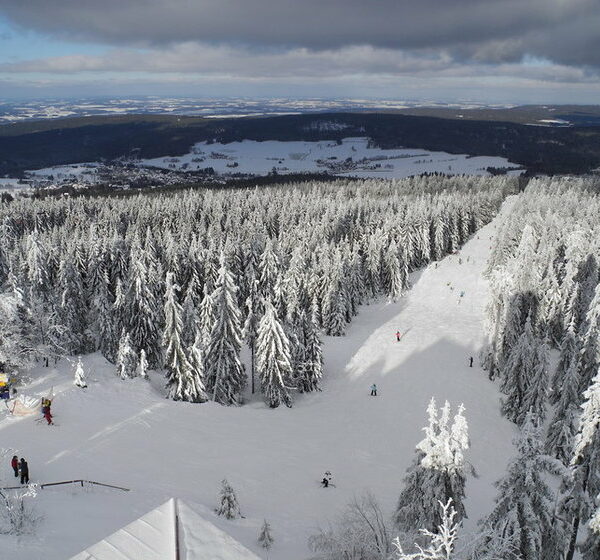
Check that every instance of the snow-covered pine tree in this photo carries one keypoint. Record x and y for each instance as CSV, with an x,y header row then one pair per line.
x,y
249,334
590,345
181,384
126,358
273,359
228,507
225,378
515,374
392,273
142,367
436,475
585,461
536,383
562,429
442,543
141,309
569,350
79,380
523,514
590,550
72,308
265,539
206,316
190,320
310,369
196,359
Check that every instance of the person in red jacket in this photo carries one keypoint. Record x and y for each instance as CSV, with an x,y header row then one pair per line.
x,y
48,415
15,465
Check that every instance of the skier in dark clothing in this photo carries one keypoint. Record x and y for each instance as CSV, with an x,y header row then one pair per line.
x,y
24,468
373,390
325,482
471,361
398,336
15,465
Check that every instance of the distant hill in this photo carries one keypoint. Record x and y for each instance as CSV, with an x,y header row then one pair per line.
x,y
553,148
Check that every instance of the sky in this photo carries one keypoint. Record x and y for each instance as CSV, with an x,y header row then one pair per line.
x,y
491,51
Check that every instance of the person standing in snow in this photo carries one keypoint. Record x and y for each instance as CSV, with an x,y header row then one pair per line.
x,y
398,336
15,465
326,479
471,361
373,390
48,415
24,468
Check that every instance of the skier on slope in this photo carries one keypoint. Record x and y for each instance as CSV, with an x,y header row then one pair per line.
x,y
373,390
48,415
326,482
398,336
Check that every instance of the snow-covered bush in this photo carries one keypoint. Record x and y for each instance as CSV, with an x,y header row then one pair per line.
x,y
79,380
265,539
360,533
228,507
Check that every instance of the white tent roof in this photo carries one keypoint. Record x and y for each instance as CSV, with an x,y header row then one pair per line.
x,y
160,533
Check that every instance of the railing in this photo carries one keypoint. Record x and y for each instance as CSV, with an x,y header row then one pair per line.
x,y
78,481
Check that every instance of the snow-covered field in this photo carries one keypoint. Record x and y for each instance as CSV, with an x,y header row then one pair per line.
x,y
12,185
353,156
126,433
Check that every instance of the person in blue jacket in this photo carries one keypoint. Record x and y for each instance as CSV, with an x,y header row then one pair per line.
x,y
373,390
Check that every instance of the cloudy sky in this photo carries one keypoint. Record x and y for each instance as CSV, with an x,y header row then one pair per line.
x,y
497,51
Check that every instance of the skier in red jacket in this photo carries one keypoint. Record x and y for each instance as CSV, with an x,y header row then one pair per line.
x,y
48,415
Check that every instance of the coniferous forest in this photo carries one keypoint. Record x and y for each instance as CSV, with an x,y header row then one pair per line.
x,y
181,281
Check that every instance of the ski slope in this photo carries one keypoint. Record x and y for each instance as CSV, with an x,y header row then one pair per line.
x,y
126,433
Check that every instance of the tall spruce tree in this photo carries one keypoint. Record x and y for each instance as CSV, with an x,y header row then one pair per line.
x,y
273,359
225,378
523,514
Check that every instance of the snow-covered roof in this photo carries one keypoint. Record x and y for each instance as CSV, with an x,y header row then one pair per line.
x,y
158,534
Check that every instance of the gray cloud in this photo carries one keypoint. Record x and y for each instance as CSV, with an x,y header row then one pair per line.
x,y
496,31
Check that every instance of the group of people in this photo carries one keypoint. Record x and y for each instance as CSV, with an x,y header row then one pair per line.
x,y
46,412
20,468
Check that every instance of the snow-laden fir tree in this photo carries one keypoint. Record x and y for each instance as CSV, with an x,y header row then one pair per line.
x,y
590,345
72,308
524,512
310,369
196,360
79,380
225,378
182,384
265,539
569,350
590,549
206,316
228,506
141,309
436,475
273,359
564,425
142,367
536,386
250,334
190,319
442,543
523,376
393,280
127,359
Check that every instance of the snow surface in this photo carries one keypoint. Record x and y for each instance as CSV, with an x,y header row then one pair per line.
x,y
259,158
125,433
